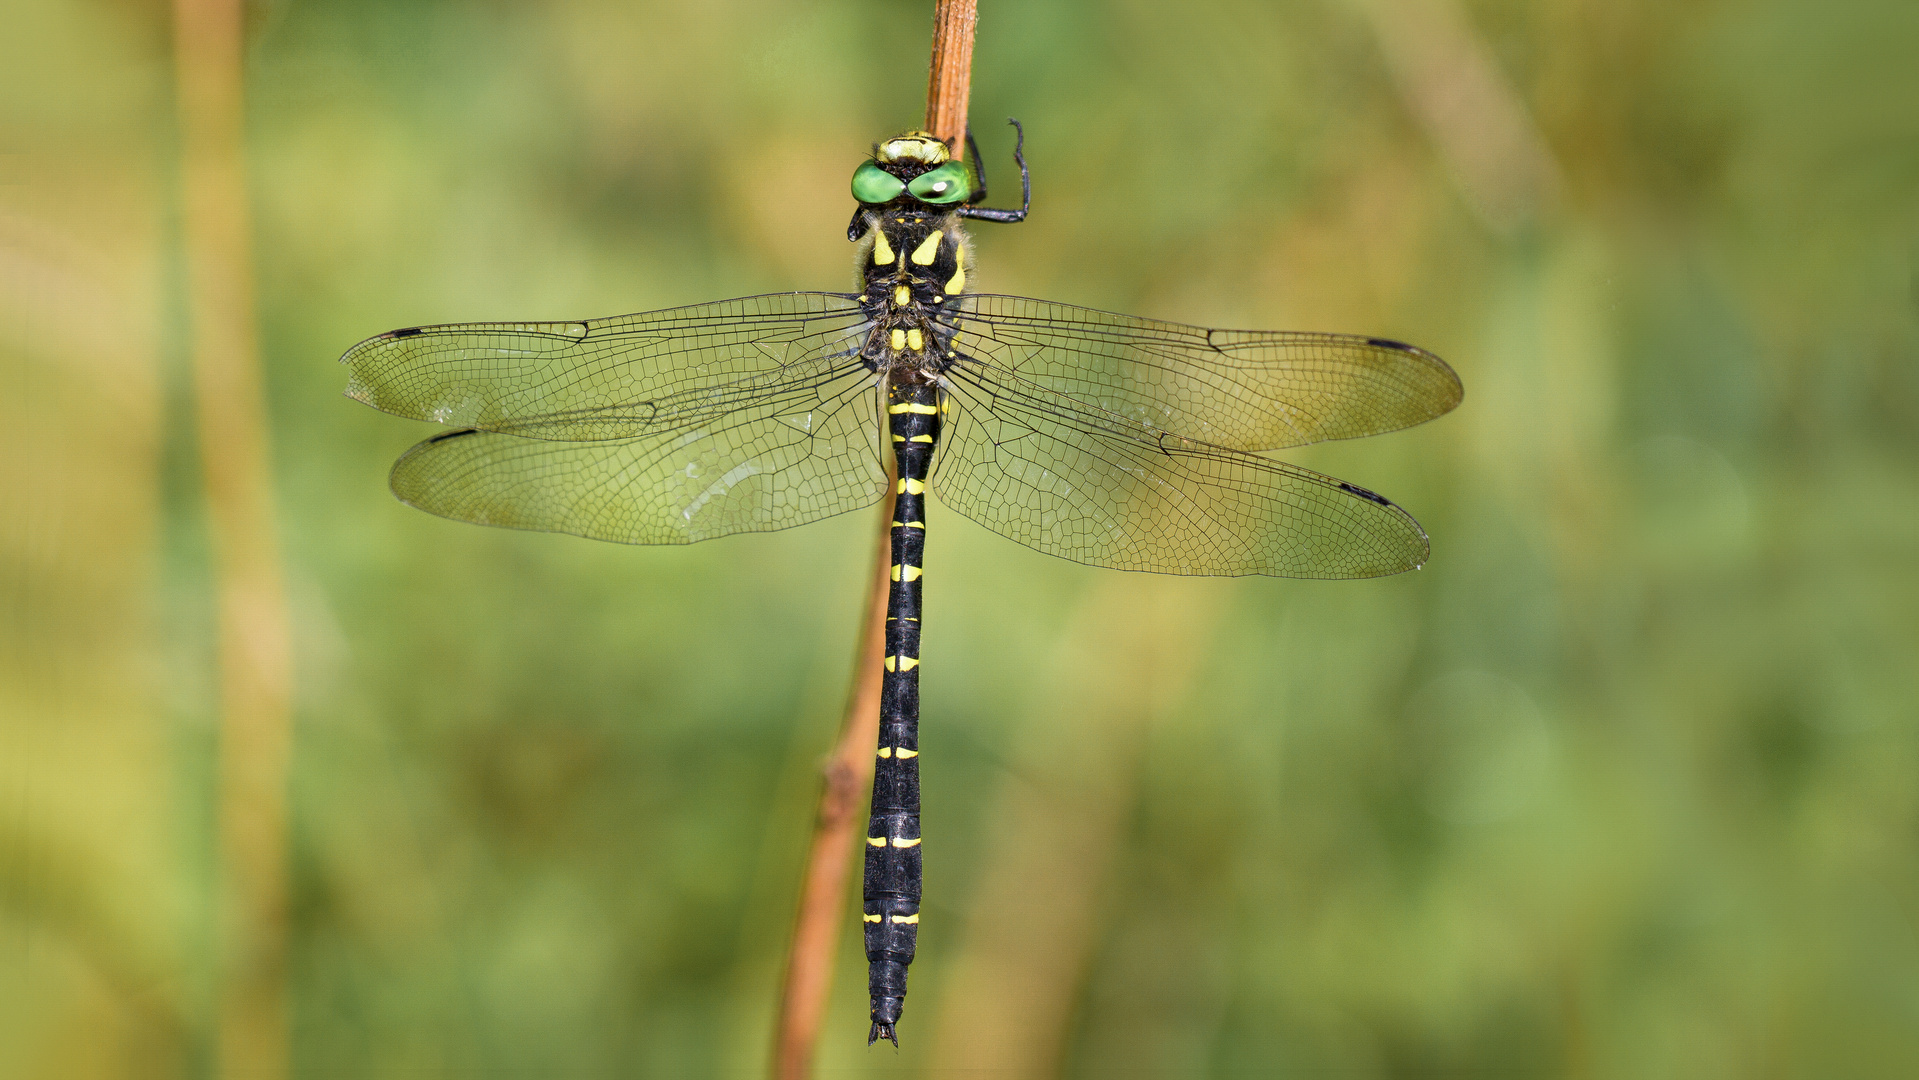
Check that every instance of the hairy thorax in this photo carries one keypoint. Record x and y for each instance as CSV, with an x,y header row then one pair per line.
x,y
913,263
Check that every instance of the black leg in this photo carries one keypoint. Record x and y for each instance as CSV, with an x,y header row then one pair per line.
x,y
982,213
857,227
979,170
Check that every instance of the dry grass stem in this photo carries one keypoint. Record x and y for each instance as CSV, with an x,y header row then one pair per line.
x,y
255,654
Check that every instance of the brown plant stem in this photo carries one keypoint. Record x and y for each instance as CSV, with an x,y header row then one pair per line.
x,y
949,77
849,769
848,772
255,654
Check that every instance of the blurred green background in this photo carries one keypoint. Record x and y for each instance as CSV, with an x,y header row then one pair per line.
x,y
1622,784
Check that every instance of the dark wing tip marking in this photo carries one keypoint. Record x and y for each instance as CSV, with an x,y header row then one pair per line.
x,y
405,332
453,435
1389,343
1369,496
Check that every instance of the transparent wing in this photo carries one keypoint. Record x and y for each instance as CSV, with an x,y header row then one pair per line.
x,y
665,427
597,379
756,469
1046,470
1240,389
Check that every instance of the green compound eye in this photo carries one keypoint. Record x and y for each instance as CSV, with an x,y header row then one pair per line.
x,y
872,184
947,184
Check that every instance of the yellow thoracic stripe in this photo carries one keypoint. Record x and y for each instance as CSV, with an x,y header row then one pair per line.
x,y
912,487
929,248
898,842
913,406
915,340
886,751
876,841
897,339
957,283
921,438
905,573
905,753
874,918
882,251
908,919
901,295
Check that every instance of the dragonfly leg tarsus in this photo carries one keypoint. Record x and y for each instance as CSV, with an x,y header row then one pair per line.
x,y
984,213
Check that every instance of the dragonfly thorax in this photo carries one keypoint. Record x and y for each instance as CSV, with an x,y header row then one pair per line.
x,y
913,269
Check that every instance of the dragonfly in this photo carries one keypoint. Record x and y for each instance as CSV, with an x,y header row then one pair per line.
x,y
1101,438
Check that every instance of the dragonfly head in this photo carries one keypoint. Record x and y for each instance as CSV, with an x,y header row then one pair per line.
x,y
916,166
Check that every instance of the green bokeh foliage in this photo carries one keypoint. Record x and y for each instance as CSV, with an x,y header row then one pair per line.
x,y
1621,785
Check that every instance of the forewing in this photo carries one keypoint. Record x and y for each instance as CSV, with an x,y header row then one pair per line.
x,y
606,379
1239,389
1096,487
773,463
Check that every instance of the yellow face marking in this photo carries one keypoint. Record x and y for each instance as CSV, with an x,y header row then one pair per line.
x,y
912,487
907,663
929,248
897,340
902,295
910,920
874,918
915,145
886,751
957,283
920,438
876,841
905,753
915,340
897,842
882,251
